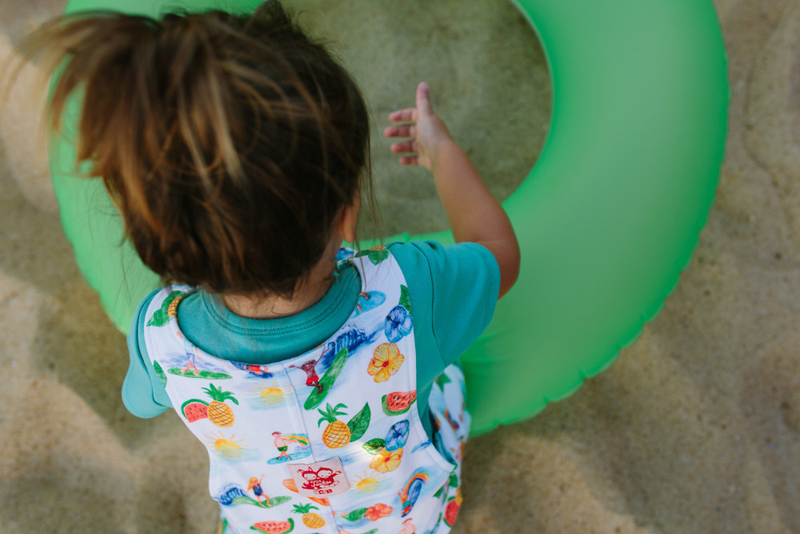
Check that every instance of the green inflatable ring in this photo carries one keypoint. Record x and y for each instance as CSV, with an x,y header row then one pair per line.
x,y
607,219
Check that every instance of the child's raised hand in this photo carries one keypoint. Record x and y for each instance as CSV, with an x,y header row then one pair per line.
x,y
426,130
472,211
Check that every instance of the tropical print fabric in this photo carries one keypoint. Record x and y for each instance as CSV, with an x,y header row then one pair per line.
x,y
329,441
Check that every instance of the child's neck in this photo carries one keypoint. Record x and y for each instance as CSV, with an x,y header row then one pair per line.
x,y
259,307
273,308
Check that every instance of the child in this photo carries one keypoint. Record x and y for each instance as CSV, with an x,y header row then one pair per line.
x,y
321,381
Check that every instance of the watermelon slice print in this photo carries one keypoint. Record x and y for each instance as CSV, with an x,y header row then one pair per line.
x,y
274,527
398,402
451,511
194,410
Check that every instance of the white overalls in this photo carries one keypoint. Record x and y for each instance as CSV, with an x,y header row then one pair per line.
x,y
329,441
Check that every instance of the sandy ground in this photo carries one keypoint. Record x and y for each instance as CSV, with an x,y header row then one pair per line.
x,y
696,428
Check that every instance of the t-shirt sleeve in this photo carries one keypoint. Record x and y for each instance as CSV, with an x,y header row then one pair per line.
x,y
142,392
465,283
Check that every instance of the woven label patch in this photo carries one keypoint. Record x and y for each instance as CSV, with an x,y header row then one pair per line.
x,y
320,479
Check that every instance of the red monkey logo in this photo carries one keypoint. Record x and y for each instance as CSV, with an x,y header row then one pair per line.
x,y
320,479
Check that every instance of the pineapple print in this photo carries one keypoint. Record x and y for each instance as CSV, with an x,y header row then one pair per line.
x,y
336,434
220,413
310,519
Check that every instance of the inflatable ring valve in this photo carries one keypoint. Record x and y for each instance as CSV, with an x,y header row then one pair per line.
x,y
606,219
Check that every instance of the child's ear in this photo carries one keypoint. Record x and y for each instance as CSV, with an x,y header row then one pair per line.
x,y
349,219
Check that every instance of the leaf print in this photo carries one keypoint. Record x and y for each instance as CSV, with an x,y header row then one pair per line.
x,y
355,515
375,255
159,318
359,423
385,362
160,373
453,481
441,380
405,299
374,445
162,315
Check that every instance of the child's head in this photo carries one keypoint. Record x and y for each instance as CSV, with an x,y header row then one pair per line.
x,y
230,144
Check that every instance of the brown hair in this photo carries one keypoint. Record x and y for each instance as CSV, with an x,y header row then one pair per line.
x,y
228,143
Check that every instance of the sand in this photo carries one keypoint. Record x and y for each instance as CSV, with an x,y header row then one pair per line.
x,y
696,428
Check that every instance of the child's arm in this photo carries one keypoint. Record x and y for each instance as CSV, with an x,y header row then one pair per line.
x,y
473,212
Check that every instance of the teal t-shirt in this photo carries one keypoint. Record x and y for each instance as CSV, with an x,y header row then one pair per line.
x,y
453,291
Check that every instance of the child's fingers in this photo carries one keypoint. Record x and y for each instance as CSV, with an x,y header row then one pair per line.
x,y
404,115
404,130
409,160
406,146
424,99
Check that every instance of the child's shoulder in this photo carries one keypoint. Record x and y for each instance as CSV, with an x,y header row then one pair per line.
x,y
413,253
461,278
459,274
452,288
443,261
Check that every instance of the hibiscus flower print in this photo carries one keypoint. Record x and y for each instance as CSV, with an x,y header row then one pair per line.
x,y
385,362
386,461
378,511
398,324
